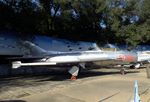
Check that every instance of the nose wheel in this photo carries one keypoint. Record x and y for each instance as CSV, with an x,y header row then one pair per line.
x,y
122,71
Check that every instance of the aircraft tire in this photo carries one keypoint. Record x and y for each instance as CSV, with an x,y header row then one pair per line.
x,y
122,71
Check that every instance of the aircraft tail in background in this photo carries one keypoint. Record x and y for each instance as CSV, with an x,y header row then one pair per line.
x,y
136,93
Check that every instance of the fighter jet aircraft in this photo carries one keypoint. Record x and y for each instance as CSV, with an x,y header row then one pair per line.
x,y
38,52
41,57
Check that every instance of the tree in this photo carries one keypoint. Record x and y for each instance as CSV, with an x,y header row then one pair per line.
x,y
130,24
121,21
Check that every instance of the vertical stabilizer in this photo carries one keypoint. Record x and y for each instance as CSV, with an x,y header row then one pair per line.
x,y
136,93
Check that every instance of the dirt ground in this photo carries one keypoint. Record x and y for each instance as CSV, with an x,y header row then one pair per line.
x,y
96,85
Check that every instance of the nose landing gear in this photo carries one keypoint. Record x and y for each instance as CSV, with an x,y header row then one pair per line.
x,y
122,71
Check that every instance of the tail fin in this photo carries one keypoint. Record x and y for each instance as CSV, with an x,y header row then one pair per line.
x,y
34,49
136,94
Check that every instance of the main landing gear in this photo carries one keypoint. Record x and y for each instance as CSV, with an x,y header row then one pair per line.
x,y
74,72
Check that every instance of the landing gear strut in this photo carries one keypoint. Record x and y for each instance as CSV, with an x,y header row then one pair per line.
x,y
122,71
74,72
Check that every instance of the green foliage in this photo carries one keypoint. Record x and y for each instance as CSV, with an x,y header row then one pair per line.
x,y
26,18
